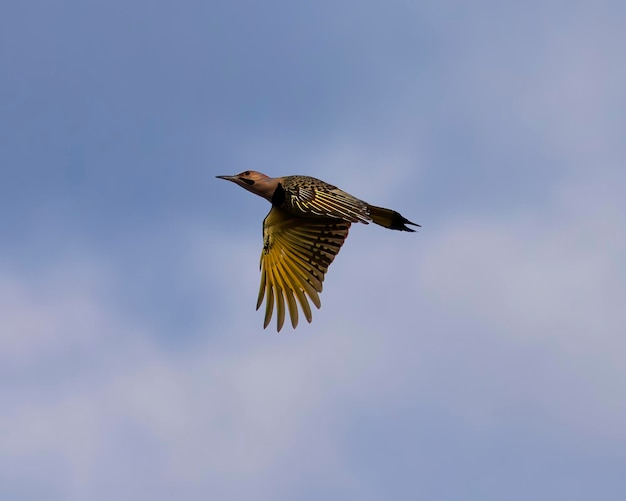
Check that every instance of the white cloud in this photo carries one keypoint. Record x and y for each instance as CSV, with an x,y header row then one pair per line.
x,y
509,321
550,276
230,412
49,316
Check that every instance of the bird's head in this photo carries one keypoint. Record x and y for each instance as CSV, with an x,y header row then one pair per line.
x,y
254,181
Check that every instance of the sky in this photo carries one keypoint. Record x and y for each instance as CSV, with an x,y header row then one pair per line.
x,y
480,358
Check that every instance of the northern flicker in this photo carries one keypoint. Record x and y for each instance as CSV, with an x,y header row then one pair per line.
x,y
302,233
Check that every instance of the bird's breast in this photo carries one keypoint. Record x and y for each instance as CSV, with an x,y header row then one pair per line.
x,y
279,197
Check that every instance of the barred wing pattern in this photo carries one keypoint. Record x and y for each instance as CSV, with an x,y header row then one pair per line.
x,y
296,255
308,196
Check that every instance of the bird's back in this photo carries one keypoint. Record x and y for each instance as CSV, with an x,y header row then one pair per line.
x,y
306,196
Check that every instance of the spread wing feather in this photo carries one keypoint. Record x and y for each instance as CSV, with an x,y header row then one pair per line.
x,y
311,197
296,255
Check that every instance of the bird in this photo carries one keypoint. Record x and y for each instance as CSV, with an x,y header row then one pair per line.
x,y
302,233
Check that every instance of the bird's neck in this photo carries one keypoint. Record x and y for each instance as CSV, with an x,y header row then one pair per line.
x,y
265,188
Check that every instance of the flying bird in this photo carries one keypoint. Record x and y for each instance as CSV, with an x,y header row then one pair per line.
x,y
302,233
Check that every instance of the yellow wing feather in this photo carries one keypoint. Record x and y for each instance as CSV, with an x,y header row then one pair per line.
x,y
296,255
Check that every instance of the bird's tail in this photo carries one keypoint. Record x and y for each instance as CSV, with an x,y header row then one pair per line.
x,y
389,218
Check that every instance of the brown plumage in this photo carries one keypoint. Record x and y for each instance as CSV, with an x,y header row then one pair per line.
x,y
303,232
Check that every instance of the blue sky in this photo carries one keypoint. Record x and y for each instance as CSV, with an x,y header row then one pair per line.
x,y
479,359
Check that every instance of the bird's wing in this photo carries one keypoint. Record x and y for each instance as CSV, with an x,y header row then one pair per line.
x,y
312,197
296,255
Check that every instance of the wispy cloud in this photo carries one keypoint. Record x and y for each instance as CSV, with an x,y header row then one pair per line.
x,y
485,348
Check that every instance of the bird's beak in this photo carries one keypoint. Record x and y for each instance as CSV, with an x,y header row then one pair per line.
x,y
228,178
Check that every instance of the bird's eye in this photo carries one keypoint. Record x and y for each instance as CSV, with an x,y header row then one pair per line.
x,y
247,173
